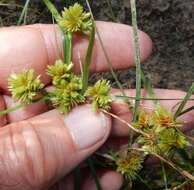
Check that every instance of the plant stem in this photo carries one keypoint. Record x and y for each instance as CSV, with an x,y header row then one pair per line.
x,y
93,171
175,167
105,53
181,185
9,110
113,17
19,106
186,110
23,15
88,60
52,9
137,58
150,99
184,102
137,64
164,175
67,47
126,123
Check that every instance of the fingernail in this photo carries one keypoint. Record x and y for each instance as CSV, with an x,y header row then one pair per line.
x,y
86,127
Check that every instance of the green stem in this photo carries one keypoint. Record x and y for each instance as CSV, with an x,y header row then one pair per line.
x,y
52,9
137,58
105,53
186,111
164,175
184,102
181,185
19,106
88,60
9,110
23,15
138,66
113,17
67,47
93,171
148,86
150,99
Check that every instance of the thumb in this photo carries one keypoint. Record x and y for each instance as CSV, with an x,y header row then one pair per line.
x,y
36,152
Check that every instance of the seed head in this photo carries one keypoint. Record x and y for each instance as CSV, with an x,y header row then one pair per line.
x,y
99,94
25,86
68,95
60,72
74,19
170,139
130,165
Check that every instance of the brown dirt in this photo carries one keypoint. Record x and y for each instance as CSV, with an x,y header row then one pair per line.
x,y
170,25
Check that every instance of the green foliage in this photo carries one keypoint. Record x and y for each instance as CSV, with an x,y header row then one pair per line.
x,y
74,19
25,86
100,95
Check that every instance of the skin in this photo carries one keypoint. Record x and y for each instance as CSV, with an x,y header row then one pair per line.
x,y
34,141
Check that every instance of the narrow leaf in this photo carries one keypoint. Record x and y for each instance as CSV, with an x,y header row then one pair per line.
x,y
23,15
94,174
52,9
184,102
105,53
187,110
88,60
137,58
67,47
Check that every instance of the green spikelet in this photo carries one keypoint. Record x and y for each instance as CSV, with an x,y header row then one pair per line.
x,y
25,86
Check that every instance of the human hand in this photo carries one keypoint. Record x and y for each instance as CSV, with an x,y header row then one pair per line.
x,y
39,150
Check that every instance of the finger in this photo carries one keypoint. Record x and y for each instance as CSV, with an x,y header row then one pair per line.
x,y
36,46
41,150
106,178
24,113
121,109
109,180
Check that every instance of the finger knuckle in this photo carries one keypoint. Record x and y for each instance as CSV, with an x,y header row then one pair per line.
x,y
22,156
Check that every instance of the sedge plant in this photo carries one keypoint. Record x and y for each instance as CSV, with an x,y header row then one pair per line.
x,y
156,132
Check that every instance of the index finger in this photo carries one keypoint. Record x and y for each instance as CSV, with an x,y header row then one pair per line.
x,y
36,46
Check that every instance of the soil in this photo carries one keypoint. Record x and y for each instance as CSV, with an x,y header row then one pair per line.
x,y
170,23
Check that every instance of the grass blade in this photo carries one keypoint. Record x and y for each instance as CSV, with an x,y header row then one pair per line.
x,y
137,58
67,47
52,9
148,86
105,53
23,15
88,60
187,110
112,15
184,102
93,171
152,99
164,175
